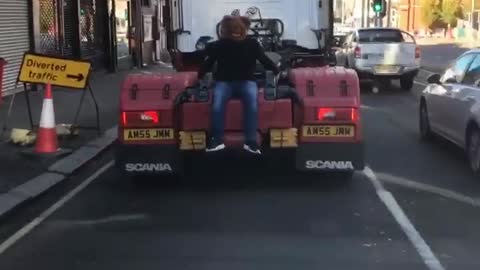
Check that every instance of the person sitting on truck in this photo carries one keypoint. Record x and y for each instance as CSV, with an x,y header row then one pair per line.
x,y
236,57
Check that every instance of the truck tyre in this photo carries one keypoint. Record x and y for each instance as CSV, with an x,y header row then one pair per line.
x,y
345,176
406,82
340,178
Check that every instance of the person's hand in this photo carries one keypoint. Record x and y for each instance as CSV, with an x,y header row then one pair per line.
x,y
276,71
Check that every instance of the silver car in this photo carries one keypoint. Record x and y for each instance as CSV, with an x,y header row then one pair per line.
x,y
450,106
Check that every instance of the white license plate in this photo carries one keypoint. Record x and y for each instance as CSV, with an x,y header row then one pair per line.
x,y
385,69
149,134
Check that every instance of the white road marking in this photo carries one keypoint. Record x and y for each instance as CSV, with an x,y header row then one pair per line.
x,y
449,194
427,71
415,238
106,220
420,83
44,215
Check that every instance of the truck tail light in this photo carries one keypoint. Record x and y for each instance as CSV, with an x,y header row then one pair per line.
x,y
338,114
145,118
151,116
417,52
357,52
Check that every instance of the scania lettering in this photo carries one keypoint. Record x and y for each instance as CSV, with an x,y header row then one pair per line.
x,y
333,165
159,167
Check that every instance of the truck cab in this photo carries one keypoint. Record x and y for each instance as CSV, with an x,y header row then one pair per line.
x,y
281,27
312,113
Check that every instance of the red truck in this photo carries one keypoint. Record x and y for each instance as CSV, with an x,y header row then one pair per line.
x,y
312,112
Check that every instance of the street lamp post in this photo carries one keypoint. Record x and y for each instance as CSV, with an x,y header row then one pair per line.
x,y
389,11
368,12
471,14
363,13
413,15
408,16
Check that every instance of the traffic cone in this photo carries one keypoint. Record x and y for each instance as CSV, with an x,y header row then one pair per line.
x,y
46,137
47,141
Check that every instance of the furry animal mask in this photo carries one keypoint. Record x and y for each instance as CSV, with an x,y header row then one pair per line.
x,y
234,27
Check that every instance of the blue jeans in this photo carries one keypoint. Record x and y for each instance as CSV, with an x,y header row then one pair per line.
x,y
247,91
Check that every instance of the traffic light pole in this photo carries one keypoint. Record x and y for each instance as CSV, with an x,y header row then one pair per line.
x,y
378,20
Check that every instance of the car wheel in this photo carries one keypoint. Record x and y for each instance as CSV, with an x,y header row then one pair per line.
x,y
406,82
473,150
424,123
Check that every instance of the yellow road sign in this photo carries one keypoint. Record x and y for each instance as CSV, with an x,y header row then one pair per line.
x,y
44,69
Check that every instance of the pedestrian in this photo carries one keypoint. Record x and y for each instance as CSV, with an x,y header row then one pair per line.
x,y
236,57
133,48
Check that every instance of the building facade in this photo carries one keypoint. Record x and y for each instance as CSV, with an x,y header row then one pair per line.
x,y
406,15
108,33
15,38
72,28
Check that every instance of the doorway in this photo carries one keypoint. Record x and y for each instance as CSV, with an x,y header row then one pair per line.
x,y
123,34
139,33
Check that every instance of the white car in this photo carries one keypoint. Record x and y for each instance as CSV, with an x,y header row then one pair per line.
x,y
381,55
450,106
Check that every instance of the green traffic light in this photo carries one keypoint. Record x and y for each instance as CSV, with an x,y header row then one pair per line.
x,y
377,7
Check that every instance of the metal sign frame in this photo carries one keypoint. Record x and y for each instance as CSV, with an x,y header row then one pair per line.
x,y
87,87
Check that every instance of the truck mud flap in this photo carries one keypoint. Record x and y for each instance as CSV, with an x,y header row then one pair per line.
x,y
148,159
329,157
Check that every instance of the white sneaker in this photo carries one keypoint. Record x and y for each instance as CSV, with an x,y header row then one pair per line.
x,y
252,148
214,148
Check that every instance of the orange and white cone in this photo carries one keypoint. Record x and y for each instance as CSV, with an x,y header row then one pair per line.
x,y
47,141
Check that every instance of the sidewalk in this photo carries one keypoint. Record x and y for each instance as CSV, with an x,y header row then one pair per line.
x,y
462,43
15,168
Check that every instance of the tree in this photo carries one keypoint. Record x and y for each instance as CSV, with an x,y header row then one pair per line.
x,y
451,11
467,5
430,12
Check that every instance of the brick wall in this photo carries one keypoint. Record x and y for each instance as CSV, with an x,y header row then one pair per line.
x,y
414,21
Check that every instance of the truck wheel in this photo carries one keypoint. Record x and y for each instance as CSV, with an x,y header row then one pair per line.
x,y
406,82
345,176
340,178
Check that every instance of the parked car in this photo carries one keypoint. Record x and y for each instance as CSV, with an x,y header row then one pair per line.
x,y
381,55
450,106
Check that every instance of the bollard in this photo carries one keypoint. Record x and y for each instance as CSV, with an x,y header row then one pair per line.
x,y
3,63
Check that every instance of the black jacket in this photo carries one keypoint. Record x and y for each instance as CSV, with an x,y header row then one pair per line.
x,y
236,60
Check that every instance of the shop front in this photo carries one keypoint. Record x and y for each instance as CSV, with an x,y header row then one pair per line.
x,y
72,28
14,39
138,32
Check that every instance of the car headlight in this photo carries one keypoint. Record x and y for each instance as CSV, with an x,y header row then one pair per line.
x,y
202,43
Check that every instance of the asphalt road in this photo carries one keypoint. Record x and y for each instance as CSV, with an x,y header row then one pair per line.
x,y
439,56
416,207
